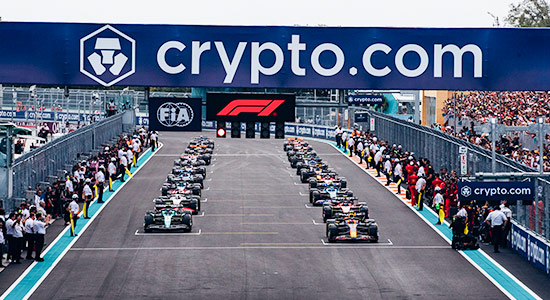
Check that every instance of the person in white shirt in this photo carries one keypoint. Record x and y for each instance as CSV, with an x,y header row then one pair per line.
x,y
17,239
130,156
2,243
74,209
100,182
438,202
360,152
421,171
112,172
351,144
40,231
398,174
69,186
420,188
338,136
121,153
9,234
122,167
505,208
29,235
388,169
88,196
344,139
154,140
378,162
25,213
497,220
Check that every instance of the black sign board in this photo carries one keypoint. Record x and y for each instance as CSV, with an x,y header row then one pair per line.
x,y
250,107
175,114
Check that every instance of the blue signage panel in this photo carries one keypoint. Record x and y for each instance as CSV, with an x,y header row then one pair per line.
x,y
530,247
496,191
274,57
361,117
175,114
365,99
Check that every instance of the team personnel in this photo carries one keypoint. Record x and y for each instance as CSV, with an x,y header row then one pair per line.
x,y
360,150
438,204
9,234
112,173
17,239
338,136
388,169
100,182
88,196
40,232
398,174
73,210
497,220
420,189
29,235
505,208
122,167
154,140
351,146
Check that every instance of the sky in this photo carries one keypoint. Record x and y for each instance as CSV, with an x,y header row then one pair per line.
x,y
356,13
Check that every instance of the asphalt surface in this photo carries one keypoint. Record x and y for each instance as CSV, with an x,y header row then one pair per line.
x,y
258,240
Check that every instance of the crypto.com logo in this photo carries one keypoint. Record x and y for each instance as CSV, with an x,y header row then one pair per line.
x,y
107,55
466,191
263,107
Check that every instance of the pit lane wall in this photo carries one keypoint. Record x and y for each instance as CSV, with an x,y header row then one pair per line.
x,y
530,246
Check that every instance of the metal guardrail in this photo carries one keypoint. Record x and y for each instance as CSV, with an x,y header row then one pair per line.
x,y
443,152
33,167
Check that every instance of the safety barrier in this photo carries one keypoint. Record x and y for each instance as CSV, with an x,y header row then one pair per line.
x,y
32,168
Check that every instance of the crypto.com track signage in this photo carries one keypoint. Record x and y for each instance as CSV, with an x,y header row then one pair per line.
x,y
250,107
175,114
275,57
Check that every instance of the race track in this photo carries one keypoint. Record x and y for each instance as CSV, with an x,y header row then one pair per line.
x,y
258,240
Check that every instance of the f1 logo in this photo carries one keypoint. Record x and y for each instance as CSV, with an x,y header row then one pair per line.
x,y
264,108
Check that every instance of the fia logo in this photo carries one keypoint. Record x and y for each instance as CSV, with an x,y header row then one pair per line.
x,y
171,114
107,55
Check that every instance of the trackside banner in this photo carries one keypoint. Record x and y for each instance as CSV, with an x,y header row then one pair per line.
x,y
274,57
530,247
496,191
175,114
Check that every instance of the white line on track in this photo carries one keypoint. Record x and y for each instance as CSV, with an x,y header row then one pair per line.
x,y
168,233
303,194
315,223
309,206
207,189
205,200
210,179
325,246
389,243
201,215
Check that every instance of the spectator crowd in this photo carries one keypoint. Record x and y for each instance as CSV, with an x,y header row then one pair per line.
x,y
24,229
510,109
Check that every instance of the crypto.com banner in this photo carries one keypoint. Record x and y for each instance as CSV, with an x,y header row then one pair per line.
x,y
275,57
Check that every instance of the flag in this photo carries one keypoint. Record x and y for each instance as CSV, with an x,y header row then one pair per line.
x,y
110,183
128,172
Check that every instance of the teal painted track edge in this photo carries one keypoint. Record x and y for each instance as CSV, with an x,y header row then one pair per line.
x,y
512,287
33,276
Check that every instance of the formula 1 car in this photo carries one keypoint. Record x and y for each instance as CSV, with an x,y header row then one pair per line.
x,y
184,188
352,229
328,178
310,168
194,160
183,170
202,140
186,202
294,143
344,205
300,151
325,192
182,178
303,158
198,148
168,219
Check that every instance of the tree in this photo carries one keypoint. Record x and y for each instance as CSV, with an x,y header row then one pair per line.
x,y
529,13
